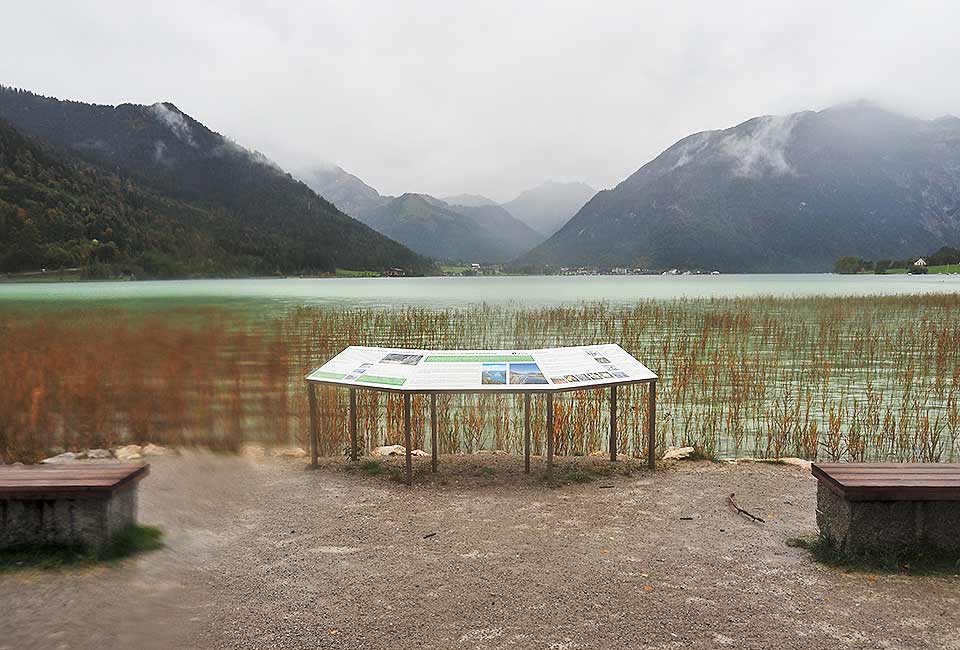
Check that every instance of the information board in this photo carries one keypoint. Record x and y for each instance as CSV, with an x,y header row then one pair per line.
x,y
547,369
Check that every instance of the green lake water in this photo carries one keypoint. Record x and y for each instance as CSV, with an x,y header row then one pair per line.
x,y
524,291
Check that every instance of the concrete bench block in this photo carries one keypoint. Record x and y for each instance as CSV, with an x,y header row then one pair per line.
x,y
67,504
91,521
882,527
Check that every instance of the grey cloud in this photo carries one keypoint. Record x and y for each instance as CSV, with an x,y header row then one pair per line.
x,y
486,97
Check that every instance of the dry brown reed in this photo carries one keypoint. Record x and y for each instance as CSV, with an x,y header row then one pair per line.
x,y
862,378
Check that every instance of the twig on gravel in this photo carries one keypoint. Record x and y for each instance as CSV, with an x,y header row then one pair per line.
x,y
429,535
740,510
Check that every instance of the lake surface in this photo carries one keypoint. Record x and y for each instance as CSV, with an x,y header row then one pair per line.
x,y
219,362
520,291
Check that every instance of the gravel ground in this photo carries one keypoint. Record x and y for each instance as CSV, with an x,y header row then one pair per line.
x,y
265,554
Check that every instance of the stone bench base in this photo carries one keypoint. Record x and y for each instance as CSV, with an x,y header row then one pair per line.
x,y
67,520
883,527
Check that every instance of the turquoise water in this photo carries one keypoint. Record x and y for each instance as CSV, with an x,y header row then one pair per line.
x,y
524,291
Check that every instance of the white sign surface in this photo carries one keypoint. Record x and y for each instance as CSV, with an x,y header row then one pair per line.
x,y
482,370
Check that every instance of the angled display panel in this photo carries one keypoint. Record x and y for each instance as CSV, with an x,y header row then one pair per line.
x,y
543,370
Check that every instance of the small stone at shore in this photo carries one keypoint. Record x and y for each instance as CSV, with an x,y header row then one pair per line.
x,y
289,452
99,454
129,452
155,450
65,457
252,451
678,453
396,450
389,450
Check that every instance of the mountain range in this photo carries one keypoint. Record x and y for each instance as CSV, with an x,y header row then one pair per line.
x,y
776,194
469,200
460,228
344,190
186,200
454,233
547,207
151,191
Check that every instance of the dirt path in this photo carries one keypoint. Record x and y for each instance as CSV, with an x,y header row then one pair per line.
x,y
266,554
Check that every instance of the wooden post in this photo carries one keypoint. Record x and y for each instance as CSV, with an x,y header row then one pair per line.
x,y
312,396
406,437
433,432
613,423
526,433
549,435
353,424
652,426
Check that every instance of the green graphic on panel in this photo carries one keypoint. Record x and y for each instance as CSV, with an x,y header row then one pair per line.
x,y
375,379
477,358
322,374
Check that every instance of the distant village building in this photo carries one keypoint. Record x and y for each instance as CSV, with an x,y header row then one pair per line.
x,y
920,262
395,273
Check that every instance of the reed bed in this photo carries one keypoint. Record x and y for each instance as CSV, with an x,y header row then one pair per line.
x,y
856,378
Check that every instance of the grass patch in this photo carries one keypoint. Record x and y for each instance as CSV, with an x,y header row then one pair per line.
x,y
350,273
700,453
575,474
371,467
487,471
126,543
588,472
914,562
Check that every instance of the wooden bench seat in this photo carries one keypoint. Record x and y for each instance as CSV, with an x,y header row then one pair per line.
x,y
67,504
889,507
891,481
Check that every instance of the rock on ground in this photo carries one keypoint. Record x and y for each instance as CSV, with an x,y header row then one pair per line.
x,y
129,452
389,450
155,450
59,459
678,453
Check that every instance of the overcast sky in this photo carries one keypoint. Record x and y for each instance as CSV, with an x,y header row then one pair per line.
x,y
485,97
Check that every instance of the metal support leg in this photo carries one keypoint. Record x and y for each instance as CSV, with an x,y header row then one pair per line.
x,y
652,426
549,435
433,433
312,396
353,424
526,433
406,437
613,423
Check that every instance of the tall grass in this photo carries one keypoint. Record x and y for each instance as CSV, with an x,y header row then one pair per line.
x,y
862,378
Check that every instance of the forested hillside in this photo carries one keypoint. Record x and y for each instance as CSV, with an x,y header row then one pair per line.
x,y
186,201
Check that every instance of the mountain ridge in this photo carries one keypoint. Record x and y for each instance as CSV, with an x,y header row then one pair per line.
x,y
349,193
288,227
775,193
438,230
548,206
